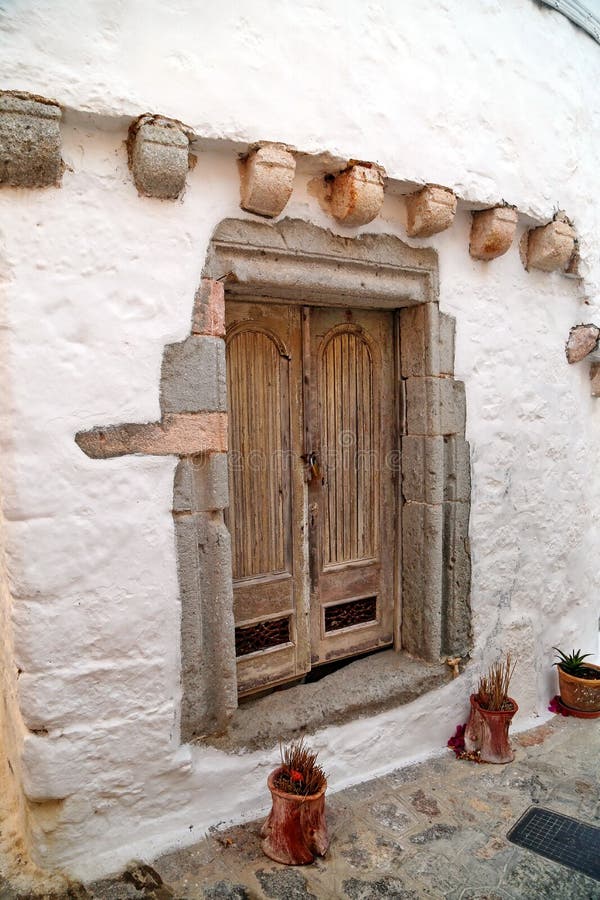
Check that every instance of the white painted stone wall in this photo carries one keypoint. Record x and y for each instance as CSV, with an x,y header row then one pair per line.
x,y
494,98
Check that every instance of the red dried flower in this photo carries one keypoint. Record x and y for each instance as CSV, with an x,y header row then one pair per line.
x,y
295,776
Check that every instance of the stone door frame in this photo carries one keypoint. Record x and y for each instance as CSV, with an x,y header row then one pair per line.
x,y
300,262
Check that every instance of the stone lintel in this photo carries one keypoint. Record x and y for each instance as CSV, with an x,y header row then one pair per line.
x,y
298,261
30,144
430,210
179,435
492,232
208,316
159,156
267,179
435,405
356,194
583,341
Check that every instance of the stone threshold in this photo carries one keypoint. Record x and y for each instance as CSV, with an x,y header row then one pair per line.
x,y
363,688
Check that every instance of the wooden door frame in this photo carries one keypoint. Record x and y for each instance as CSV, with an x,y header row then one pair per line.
x,y
295,261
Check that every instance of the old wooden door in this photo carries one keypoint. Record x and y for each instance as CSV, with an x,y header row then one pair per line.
x,y
312,486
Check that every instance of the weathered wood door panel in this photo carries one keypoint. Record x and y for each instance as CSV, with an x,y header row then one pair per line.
x,y
312,491
352,501
266,486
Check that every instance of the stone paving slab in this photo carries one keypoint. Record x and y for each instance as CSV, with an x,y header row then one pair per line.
x,y
434,830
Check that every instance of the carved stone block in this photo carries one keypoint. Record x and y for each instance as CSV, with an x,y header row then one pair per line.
x,y
422,579
357,194
435,406
549,247
492,232
201,483
29,140
159,157
193,376
430,210
426,340
267,179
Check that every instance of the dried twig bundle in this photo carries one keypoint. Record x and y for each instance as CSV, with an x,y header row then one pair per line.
x,y
492,690
300,773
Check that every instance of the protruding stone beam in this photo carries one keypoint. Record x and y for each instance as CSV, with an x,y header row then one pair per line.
x,y
29,140
267,179
184,434
159,156
549,247
492,232
356,194
583,340
430,210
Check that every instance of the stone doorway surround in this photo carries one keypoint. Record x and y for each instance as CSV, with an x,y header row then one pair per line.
x,y
296,261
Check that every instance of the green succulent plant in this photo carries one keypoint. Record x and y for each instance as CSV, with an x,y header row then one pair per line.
x,y
571,662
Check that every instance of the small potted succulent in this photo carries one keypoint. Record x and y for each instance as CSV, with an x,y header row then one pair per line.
x,y
579,683
492,711
295,830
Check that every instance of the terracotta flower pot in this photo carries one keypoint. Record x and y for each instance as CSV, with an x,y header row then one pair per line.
x,y
487,731
295,830
580,693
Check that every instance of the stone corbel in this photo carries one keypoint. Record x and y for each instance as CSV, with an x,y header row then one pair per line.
x,y
159,156
356,195
584,343
492,232
267,179
29,140
430,210
549,247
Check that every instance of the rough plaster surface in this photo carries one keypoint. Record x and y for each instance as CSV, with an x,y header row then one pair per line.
x,y
96,280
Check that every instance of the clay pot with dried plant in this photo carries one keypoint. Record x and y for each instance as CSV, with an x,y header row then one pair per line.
x,y
492,711
579,683
296,830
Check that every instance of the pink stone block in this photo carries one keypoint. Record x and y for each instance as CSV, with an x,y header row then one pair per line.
x,y
208,316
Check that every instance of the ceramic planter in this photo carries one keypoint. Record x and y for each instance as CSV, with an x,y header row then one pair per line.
x,y
487,731
295,830
581,694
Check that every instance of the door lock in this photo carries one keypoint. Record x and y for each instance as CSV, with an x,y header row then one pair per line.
x,y
311,460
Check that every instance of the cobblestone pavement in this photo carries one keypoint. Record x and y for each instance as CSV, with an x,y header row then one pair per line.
x,y
434,830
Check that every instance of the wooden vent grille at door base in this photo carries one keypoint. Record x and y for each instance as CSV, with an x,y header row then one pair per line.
x,y
261,636
352,612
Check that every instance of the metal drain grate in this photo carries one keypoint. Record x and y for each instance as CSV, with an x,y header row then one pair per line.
x,y
559,838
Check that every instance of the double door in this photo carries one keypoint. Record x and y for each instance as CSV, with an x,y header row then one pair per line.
x,y
312,486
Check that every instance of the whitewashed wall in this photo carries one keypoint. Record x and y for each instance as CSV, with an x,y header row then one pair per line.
x,y
494,99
